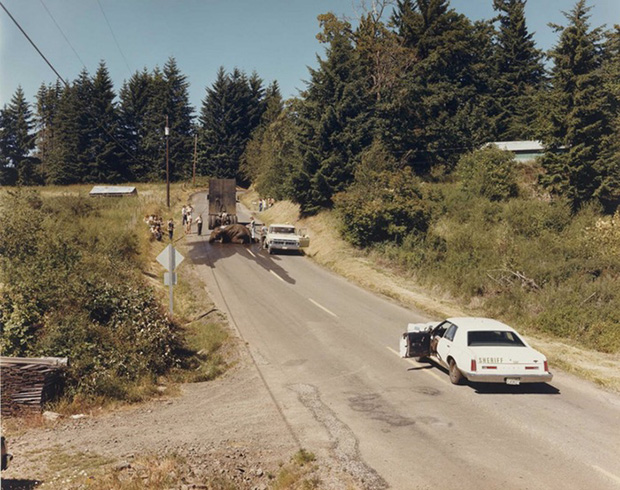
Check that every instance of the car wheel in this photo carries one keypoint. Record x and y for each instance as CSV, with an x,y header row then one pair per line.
x,y
456,377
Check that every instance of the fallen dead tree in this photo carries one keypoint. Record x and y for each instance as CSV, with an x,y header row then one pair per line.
x,y
27,383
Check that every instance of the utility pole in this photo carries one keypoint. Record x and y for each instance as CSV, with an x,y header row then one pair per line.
x,y
195,156
167,132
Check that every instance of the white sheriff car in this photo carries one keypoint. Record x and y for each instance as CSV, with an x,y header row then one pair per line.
x,y
478,349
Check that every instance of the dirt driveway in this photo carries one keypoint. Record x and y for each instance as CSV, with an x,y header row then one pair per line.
x,y
228,430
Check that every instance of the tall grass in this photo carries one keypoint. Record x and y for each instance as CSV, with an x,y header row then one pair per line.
x,y
74,282
529,261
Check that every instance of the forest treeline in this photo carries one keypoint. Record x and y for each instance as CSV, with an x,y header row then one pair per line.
x,y
417,79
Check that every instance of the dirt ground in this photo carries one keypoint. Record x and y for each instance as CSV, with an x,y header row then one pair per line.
x,y
225,433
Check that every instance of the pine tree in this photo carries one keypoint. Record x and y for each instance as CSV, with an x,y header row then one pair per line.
x,y
48,98
133,109
578,116
154,141
608,164
216,126
16,142
230,112
72,158
519,73
336,120
180,121
442,110
104,165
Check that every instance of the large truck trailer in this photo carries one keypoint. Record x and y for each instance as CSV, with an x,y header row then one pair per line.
x,y
222,202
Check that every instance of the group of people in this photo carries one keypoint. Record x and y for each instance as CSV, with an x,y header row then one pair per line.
x,y
187,219
265,203
156,225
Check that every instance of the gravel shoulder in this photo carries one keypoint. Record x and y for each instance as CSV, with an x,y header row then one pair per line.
x,y
227,430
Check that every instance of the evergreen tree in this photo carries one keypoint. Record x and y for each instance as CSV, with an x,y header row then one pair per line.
x,y
72,155
48,98
16,142
154,141
133,110
518,73
336,120
608,164
578,116
180,121
442,110
266,160
105,154
230,112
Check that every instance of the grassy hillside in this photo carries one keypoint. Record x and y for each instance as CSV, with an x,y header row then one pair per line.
x,y
79,279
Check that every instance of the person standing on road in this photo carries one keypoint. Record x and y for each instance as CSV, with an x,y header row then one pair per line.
x,y
199,224
188,224
170,228
252,229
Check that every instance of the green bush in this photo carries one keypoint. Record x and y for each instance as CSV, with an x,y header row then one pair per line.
x,y
530,262
71,287
489,172
383,204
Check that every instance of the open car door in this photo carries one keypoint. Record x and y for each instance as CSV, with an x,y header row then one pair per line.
x,y
304,239
415,344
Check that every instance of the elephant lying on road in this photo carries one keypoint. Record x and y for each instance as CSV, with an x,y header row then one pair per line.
x,y
231,234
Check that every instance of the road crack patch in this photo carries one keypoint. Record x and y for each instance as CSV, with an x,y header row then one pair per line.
x,y
345,445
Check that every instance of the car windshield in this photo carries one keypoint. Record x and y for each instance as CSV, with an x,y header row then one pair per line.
x,y
282,229
493,338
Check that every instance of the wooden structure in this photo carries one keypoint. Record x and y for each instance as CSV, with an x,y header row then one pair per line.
x,y
27,383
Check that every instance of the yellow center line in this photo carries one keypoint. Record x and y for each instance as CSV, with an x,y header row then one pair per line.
x,y
419,364
322,307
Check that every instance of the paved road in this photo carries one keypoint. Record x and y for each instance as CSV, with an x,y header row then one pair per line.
x,y
327,351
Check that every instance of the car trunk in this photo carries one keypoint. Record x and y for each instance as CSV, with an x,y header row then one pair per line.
x,y
510,360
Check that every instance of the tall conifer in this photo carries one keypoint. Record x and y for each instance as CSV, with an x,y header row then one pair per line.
x,y
336,120
16,142
579,118
518,73
104,165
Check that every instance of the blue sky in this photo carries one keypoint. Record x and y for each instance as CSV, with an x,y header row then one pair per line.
x,y
274,37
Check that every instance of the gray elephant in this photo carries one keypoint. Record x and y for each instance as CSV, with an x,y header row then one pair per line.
x,y
231,234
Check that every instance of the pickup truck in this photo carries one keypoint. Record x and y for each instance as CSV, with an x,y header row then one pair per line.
x,y
284,237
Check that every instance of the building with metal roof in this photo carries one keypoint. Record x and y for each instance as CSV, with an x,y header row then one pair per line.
x,y
112,191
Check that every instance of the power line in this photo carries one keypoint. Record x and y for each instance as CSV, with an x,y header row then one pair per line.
x,y
97,122
113,36
63,34
34,45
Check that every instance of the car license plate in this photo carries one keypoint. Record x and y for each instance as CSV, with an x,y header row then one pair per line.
x,y
513,381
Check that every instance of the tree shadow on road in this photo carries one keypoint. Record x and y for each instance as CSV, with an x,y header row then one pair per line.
x,y
201,252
